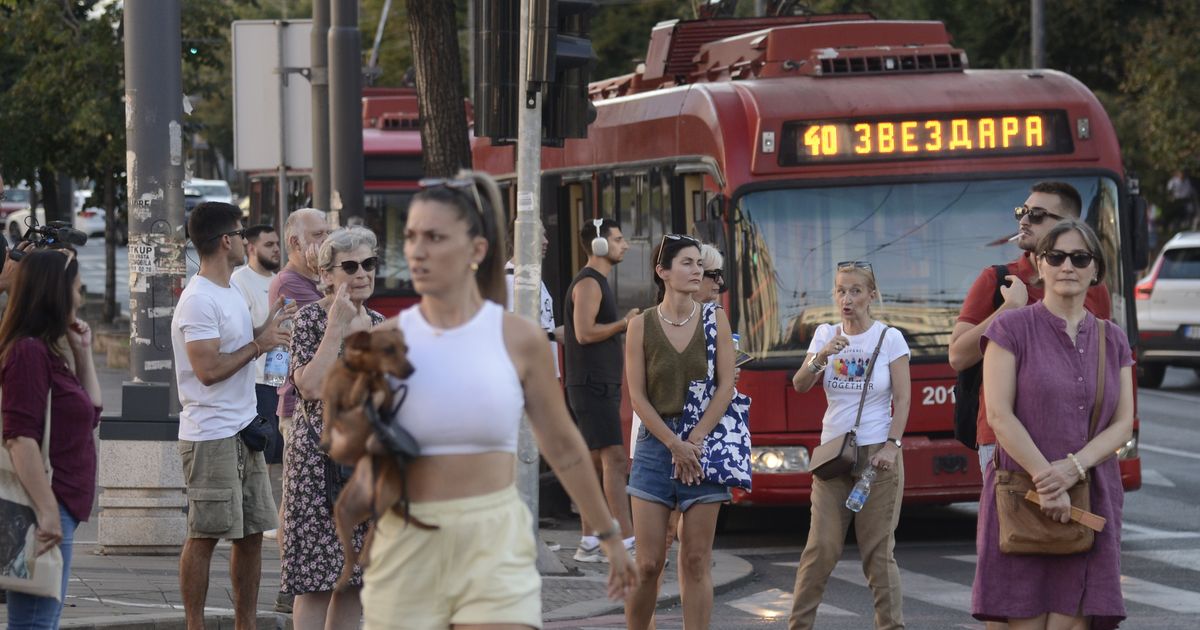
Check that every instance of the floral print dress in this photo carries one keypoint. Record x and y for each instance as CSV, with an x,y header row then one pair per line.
x,y
312,556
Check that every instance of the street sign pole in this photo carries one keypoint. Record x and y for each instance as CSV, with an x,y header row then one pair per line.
x,y
527,260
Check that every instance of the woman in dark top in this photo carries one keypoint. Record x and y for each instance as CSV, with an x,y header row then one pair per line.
x,y
665,350
46,351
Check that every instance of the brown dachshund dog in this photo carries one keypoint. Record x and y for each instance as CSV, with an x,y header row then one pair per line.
x,y
377,484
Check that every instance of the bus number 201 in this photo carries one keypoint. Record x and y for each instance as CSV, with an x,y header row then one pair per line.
x,y
938,395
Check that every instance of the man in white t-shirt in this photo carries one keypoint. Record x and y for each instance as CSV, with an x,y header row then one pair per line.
x,y
253,280
215,343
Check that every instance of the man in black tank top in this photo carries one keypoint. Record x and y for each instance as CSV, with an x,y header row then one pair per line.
x,y
594,362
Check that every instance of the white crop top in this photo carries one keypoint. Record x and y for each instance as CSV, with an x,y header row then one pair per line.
x,y
464,395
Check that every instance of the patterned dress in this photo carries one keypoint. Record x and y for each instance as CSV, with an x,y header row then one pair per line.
x,y
312,556
1056,387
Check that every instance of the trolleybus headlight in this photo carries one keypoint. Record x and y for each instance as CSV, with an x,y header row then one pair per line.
x,y
1130,449
779,459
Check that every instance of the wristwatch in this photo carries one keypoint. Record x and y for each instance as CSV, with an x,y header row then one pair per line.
x,y
896,441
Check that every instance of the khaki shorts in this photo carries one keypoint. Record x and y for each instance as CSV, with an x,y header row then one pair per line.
x,y
479,567
228,489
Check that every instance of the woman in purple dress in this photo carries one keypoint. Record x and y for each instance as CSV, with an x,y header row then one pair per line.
x,y
1039,377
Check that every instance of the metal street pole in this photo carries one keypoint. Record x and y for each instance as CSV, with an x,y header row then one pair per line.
x,y
281,172
345,112
527,260
1037,33
154,102
141,498
319,79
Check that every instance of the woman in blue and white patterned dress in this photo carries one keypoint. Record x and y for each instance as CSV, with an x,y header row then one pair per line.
x,y
665,351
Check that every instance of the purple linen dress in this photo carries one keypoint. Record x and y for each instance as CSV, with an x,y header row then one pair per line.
x,y
1055,391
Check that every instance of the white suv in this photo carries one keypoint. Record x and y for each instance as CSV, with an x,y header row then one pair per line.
x,y
1168,311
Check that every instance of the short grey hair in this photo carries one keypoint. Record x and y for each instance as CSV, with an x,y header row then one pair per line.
x,y
292,227
711,258
344,240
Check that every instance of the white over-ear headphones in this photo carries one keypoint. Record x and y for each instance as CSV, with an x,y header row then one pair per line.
x,y
599,244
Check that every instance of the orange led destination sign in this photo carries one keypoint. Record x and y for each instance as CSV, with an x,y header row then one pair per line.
x,y
937,136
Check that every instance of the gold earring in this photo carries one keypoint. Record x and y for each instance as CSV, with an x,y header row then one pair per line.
x,y
474,266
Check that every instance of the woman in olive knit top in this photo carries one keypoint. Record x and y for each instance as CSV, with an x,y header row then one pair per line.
x,y
664,352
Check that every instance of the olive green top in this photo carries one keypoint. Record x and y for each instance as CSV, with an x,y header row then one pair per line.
x,y
668,372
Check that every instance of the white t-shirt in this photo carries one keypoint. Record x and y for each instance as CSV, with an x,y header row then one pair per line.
x,y
843,380
208,311
254,288
546,314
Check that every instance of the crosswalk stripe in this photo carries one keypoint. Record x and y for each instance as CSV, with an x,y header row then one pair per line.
x,y
1159,595
1168,451
918,586
777,604
1183,558
1155,478
1149,593
1131,532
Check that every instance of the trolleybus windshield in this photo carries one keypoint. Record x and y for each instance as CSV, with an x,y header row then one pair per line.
x,y
926,242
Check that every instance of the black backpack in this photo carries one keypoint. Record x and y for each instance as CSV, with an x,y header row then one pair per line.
x,y
966,388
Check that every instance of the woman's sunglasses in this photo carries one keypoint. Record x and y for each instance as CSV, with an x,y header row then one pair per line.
x,y
854,264
675,237
456,184
1079,259
351,266
1036,215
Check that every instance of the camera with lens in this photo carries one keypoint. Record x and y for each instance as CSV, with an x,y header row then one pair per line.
x,y
48,235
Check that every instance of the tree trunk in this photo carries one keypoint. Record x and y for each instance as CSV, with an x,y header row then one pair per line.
x,y
109,181
433,31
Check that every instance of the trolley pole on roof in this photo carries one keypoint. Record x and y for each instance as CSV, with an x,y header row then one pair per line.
x,y
527,277
1037,33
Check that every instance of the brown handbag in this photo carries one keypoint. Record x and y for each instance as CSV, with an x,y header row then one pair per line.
x,y
1024,529
839,455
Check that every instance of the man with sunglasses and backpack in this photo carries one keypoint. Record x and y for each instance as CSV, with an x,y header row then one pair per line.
x,y
1048,203
593,367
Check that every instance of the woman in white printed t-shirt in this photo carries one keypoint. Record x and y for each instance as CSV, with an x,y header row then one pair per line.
x,y
839,356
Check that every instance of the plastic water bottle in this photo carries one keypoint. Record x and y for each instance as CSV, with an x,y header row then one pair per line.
x,y
862,489
275,371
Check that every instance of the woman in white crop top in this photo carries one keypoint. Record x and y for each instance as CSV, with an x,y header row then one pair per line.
x,y
477,369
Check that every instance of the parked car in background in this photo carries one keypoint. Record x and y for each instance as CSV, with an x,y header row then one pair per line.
x,y
1168,311
17,223
197,191
89,216
14,199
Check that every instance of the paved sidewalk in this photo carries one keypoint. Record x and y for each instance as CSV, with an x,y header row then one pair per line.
x,y
142,592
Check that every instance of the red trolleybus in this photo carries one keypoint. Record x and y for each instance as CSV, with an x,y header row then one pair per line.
x,y
794,143
391,170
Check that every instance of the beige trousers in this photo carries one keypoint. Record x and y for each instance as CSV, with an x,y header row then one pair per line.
x,y
874,529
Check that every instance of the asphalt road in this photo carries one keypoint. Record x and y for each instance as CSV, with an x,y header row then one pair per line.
x,y
936,546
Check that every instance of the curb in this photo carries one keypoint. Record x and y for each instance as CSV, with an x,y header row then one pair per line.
x,y
729,572
173,621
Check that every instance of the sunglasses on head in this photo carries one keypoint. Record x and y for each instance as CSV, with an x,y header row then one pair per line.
x,y
456,184
351,266
675,237
1079,259
854,264
1036,215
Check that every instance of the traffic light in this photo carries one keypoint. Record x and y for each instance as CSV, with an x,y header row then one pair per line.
x,y
561,60
497,32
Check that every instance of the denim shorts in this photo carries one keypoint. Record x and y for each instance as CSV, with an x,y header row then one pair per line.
x,y
651,477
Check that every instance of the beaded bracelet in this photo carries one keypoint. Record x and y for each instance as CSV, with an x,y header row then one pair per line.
x,y
1078,466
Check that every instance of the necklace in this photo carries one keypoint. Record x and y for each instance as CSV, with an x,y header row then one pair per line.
x,y
677,324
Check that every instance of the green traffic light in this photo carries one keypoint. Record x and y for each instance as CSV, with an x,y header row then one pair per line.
x,y
194,50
